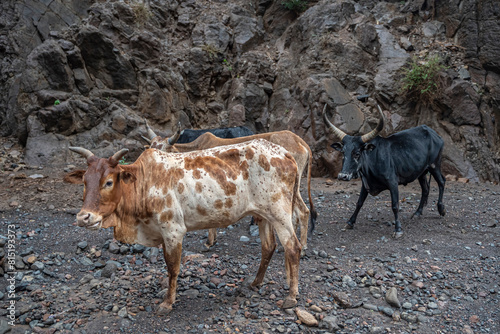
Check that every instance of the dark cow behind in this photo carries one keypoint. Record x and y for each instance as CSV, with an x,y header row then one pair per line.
x,y
384,163
188,135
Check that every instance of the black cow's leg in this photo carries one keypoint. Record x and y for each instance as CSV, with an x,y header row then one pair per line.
x,y
362,197
398,231
438,176
424,184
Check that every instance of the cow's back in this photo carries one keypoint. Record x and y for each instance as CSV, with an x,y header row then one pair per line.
x,y
407,154
190,135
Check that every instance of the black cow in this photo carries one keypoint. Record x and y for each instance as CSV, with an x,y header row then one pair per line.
x,y
384,163
189,135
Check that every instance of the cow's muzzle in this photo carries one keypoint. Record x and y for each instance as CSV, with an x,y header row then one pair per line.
x,y
88,220
346,177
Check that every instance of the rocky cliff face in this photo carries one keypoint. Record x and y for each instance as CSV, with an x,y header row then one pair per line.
x,y
86,72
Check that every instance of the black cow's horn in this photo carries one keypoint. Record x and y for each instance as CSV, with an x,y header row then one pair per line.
x,y
374,133
151,133
175,137
339,133
82,151
118,155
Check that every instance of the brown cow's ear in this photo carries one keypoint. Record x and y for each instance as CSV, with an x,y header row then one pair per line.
x,y
75,177
127,177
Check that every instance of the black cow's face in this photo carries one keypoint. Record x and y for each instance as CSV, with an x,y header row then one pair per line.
x,y
352,147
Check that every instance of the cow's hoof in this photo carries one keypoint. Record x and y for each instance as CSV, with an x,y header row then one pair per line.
x,y
348,226
416,214
397,235
205,248
442,210
164,310
303,251
289,302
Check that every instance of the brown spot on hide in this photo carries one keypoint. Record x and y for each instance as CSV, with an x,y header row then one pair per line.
x,y
197,174
166,179
166,216
276,197
221,170
198,187
229,203
264,163
201,210
180,188
157,204
250,153
286,169
168,199
218,204
244,170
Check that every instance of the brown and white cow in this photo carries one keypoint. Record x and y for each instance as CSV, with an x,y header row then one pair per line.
x,y
295,145
161,196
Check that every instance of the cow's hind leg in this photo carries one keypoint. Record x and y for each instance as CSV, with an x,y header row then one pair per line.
x,y
398,230
301,218
212,237
363,194
292,258
172,257
424,184
438,176
268,241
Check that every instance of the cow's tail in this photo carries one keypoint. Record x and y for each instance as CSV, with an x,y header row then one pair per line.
x,y
312,211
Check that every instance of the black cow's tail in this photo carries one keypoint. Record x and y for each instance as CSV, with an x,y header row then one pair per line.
x,y
312,211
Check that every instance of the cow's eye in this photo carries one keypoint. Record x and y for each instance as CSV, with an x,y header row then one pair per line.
x,y
108,184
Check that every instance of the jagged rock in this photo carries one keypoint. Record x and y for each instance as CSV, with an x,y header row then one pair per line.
x,y
109,269
306,317
391,297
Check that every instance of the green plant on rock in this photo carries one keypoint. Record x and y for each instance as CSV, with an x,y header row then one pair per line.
x,y
142,13
211,49
421,79
297,6
227,65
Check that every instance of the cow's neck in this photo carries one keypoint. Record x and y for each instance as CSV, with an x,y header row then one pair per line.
x,y
187,147
130,210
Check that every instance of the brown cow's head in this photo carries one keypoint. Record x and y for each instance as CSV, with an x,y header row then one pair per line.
x,y
102,187
167,144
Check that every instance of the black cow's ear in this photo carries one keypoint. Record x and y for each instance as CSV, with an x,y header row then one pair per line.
x,y
338,146
368,147
127,177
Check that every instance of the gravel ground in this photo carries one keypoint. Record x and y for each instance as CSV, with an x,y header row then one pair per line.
x,y
441,277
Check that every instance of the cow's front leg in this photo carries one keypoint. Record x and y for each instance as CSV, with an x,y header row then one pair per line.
x,y
172,253
398,231
361,200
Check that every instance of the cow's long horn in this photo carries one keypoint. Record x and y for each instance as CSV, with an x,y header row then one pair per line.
x,y
374,133
151,133
172,140
339,133
118,155
82,151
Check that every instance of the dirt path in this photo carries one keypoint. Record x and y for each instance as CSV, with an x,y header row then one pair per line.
x,y
444,271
